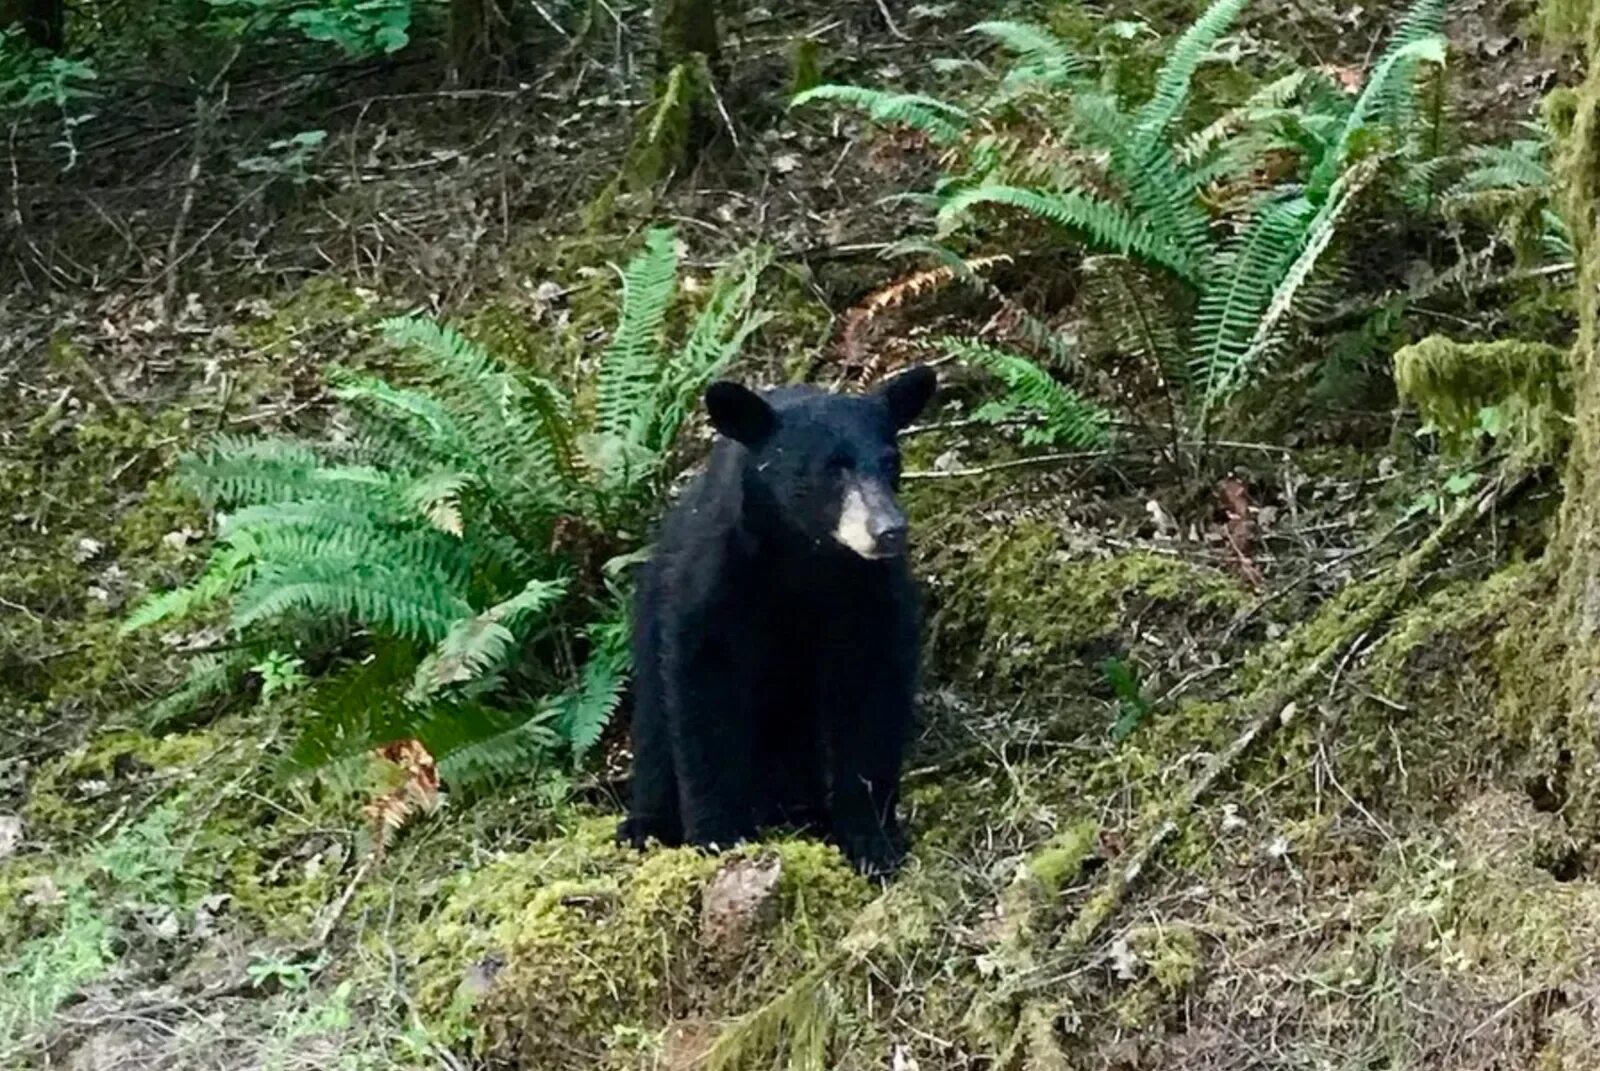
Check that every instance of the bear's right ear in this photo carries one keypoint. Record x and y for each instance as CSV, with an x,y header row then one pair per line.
x,y
740,413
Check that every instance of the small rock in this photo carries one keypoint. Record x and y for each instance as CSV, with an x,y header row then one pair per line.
x,y
479,978
42,892
11,830
738,902
1124,960
903,1060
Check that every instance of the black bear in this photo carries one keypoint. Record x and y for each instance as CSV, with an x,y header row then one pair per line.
x,y
776,631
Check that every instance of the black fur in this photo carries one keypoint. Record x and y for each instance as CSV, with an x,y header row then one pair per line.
x,y
775,668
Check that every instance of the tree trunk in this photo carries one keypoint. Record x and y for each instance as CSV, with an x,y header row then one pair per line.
x,y
684,28
43,21
1570,655
484,38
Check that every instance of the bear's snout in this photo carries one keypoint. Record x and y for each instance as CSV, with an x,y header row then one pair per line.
x,y
870,521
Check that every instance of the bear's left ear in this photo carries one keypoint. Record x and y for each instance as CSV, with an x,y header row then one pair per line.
x,y
907,394
740,413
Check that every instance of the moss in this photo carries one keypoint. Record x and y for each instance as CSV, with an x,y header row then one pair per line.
x,y
322,301
1524,384
594,943
69,793
1021,606
1061,858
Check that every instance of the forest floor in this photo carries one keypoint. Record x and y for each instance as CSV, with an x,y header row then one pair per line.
x,y
1375,873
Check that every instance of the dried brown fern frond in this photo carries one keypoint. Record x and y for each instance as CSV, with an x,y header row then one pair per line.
x,y
416,794
866,313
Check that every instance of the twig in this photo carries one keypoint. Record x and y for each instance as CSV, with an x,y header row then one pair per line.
x,y
889,23
1002,466
204,112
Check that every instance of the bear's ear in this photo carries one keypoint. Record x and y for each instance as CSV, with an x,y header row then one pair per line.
x,y
907,394
740,413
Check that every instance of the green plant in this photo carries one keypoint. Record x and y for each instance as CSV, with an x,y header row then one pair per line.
x,y
288,156
1511,186
1132,706
1129,183
33,78
450,524
360,28
1057,413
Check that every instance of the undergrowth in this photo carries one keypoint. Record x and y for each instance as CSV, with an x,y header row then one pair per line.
x,y
457,524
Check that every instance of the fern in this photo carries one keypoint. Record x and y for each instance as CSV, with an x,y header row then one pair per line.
x,y
378,596
1065,417
1173,80
630,367
1043,60
501,751
1105,225
1319,233
428,531
483,641
582,713
1393,76
1247,273
940,121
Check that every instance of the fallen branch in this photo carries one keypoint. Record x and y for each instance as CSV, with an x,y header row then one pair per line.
x,y
1276,705
1270,707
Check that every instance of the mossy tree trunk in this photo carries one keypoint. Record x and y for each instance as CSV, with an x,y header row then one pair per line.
x,y
684,28
485,36
688,45
43,21
1574,643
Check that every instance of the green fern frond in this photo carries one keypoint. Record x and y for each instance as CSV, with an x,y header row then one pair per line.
x,y
436,497
435,432
1131,307
518,425
233,471
395,601
1394,73
1264,105
1519,165
228,569
1247,273
1173,80
484,641
1319,234
1043,60
348,530
210,677
1104,224
507,753
941,121
582,714
716,337
631,367
1066,416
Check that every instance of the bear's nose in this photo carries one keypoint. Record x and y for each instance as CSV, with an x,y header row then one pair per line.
x,y
890,538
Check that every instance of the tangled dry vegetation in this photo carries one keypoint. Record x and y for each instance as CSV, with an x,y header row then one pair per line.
x,y
1214,774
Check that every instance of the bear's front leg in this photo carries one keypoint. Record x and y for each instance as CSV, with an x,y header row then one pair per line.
x,y
868,692
708,693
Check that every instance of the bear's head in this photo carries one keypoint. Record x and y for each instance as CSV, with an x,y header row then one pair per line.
x,y
825,467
